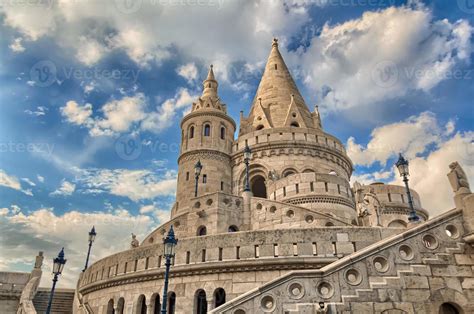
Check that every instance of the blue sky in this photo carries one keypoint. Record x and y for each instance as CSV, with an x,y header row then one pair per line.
x,y
85,84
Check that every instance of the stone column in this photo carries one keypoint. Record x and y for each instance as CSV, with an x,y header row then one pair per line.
x,y
149,308
468,216
247,198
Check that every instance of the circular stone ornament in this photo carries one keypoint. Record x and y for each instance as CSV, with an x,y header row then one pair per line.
x,y
325,289
353,277
296,290
406,252
267,304
381,264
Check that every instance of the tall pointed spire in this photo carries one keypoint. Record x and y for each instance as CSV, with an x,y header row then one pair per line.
x,y
210,85
277,95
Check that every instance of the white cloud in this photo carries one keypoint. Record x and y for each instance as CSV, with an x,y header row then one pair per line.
x,y
428,174
147,209
26,234
4,211
9,181
90,51
164,116
28,181
383,55
410,137
40,178
66,188
134,184
188,71
39,111
16,45
77,114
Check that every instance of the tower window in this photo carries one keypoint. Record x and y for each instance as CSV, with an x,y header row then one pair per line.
x,y
223,133
191,132
295,125
187,176
207,130
389,197
204,178
276,66
259,127
222,185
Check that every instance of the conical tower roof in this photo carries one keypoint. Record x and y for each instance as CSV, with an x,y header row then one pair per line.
x,y
278,102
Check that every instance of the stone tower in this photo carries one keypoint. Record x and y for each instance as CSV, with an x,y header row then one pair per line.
x,y
294,160
207,135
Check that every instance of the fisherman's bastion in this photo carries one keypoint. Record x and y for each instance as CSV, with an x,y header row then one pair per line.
x,y
288,234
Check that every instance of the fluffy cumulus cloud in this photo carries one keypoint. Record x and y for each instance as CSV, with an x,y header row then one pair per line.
x,y
44,230
430,148
383,55
77,114
148,31
134,184
66,188
12,182
188,71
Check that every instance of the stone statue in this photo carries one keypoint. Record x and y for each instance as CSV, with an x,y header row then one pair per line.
x,y
39,260
272,174
134,243
458,179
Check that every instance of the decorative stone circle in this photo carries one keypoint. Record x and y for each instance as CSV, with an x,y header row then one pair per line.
x,y
259,206
353,277
406,253
226,201
290,214
381,264
209,202
177,223
452,231
267,304
273,209
197,204
151,240
309,219
237,203
430,242
325,289
239,311
296,290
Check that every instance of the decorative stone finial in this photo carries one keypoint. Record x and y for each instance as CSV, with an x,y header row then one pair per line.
x,y
134,243
275,42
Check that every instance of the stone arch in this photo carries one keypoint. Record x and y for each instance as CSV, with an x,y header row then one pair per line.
x,y
233,228
397,223
219,297
200,302
222,132
450,308
308,170
254,170
155,303
141,305
120,305
110,307
448,296
259,127
294,125
288,172
201,231
258,186
171,302
191,131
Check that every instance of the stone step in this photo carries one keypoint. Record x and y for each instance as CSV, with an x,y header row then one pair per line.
x,y
62,301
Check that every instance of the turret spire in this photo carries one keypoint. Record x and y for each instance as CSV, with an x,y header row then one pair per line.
x,y
278,99
210,84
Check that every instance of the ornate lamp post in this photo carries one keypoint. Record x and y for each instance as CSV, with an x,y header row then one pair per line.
x,y
169,245
402,165
57,270
92,235
197,173
247,156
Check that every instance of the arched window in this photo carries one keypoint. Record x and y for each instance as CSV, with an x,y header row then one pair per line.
x,y
141,305
219,297
397,224
329,224
259,127
200,302
222,132
207,130
171,303
294,125
448,308
110,307
120,305
191,132
233,228
202,231
258,187
156,303
288,172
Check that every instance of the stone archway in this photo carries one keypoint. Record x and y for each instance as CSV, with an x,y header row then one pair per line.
x,y
258,186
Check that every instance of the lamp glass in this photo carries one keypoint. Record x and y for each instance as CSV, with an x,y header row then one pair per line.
x,y
56,267
92,235
197,168
402,165
247,153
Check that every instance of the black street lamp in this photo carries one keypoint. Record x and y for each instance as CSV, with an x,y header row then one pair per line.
x,y
57,270
402,165
169,245
197,173
247,156
92,235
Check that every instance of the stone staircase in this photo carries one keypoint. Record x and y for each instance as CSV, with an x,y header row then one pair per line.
x,y
62,301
